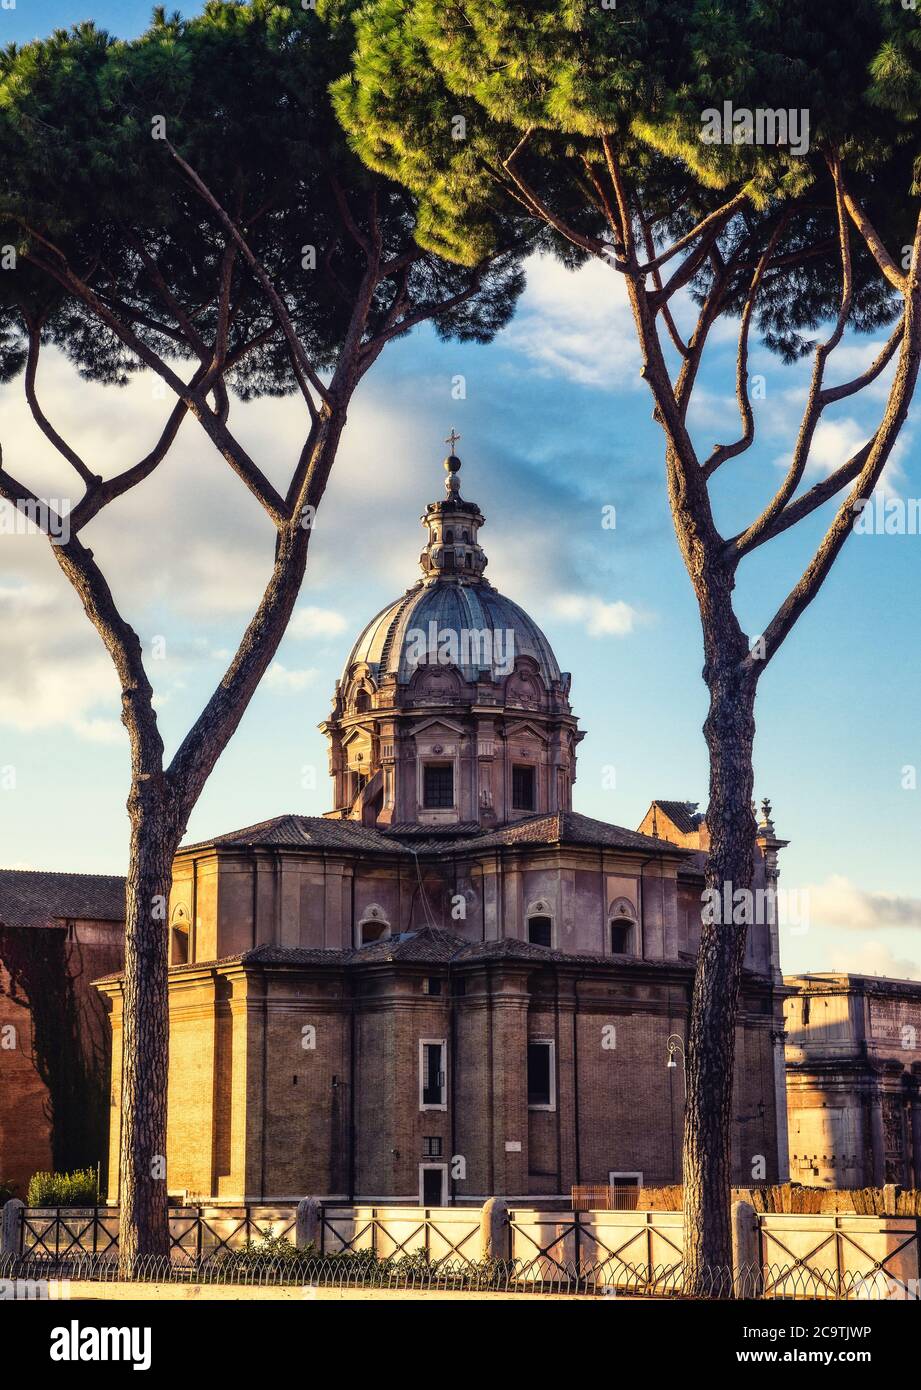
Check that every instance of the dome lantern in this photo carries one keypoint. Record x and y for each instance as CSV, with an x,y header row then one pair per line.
x,y
452,551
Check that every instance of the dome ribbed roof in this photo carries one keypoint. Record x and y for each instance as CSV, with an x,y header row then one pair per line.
x,y
461,608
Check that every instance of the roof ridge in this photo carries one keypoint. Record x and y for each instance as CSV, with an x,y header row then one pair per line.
x,y
62,873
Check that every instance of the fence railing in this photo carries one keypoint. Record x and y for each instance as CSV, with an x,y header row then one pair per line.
x,y
602,1253
415,1273
586,1197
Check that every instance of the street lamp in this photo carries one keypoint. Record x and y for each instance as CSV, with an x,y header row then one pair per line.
x,y
675,1045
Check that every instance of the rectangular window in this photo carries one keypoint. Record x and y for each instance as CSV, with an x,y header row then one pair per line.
x,y
431,1146
621,938
438,786
541,1074
624,1191
432,1079
523,788
431,985
540,931
432,1184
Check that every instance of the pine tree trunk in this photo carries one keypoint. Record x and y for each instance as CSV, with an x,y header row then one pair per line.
x,y
143,1218
710,1044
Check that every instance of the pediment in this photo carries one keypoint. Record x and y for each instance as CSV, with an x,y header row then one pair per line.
x,y
521,728
450,728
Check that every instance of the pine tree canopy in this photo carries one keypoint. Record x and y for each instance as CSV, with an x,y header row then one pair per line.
x,y
241,92
453,100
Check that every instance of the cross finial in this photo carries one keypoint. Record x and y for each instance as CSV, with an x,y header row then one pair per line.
x,y
452,439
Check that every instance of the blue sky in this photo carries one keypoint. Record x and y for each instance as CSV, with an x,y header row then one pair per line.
x,y
555,426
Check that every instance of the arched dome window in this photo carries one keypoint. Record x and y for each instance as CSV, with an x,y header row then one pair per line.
x,y
540,925
179,934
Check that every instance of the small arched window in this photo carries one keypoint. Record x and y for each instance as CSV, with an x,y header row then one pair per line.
x,y
373,925
449,536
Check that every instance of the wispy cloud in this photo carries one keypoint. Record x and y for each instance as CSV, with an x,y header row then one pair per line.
x,y
874,958
598,617
285,682
576,324
53,673
841,904
317,622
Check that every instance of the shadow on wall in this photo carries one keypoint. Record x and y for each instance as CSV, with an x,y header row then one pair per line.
x,y
63,1044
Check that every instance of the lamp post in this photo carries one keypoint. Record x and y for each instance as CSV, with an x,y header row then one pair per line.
x,y
675,1045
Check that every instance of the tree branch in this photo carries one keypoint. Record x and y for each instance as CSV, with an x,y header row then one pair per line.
x,y
237,457
878,452
874,242
540,209
719,215
830,394
815,403
722,452
805,504
73,458
301,364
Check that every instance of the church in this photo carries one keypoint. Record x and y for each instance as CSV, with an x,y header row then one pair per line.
x,y
453,985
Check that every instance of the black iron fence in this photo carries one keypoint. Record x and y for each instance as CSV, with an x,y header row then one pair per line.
x,y
57,1233
416,1273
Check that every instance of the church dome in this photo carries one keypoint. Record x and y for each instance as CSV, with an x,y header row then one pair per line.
x,y
424,615
453,616
451,710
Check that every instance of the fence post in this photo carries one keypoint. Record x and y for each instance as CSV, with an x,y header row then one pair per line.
x,y
11,1228
746,1264
307,1226
494,1229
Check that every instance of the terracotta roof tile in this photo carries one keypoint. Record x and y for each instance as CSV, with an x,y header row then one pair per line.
x,y
682,814
36,897
322,832
305,832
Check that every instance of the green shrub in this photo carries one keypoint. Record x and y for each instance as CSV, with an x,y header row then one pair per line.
x,y
77,1189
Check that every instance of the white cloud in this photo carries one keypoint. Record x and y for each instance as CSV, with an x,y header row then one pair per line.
x,y
835,441
284,682
600,619
841,904
54,673
576,324
316,622
874,958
